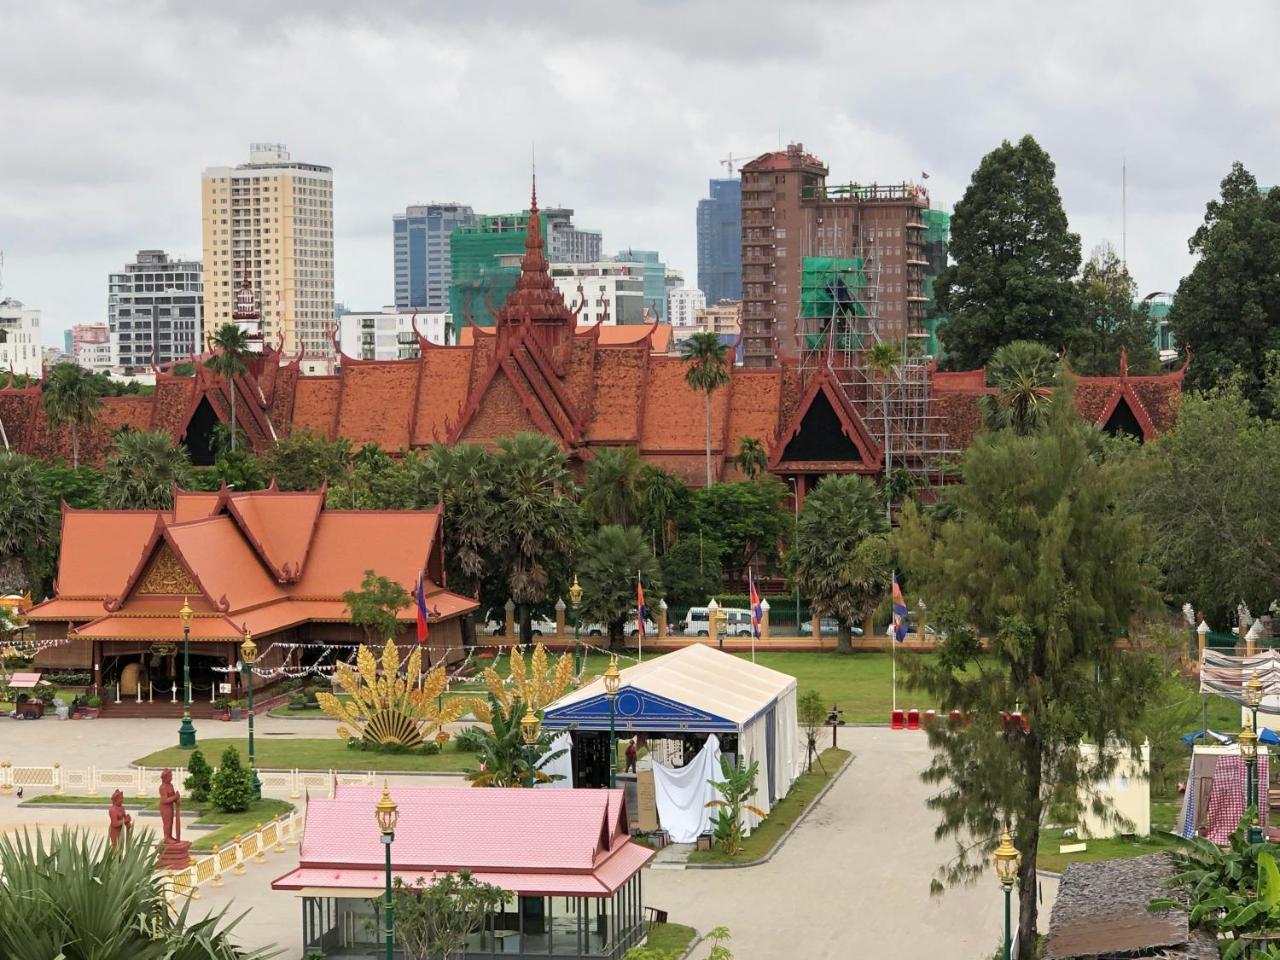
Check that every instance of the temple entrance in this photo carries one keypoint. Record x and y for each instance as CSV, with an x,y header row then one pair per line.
x,y
1123,422
200,434
155,675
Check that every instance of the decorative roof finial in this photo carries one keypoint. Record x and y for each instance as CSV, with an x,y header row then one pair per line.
x,y
533,201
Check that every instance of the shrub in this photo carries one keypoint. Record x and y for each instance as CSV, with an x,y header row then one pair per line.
x,y
470,740
93,701
199,779
233,784
297,701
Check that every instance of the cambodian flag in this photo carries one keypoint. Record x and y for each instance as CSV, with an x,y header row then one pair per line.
x,y
642,612
900,612
421,601
757,611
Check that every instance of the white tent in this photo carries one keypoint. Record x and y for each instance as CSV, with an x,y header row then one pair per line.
x,y
698,689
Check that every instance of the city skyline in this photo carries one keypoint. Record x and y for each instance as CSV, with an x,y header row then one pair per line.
x,y
81,198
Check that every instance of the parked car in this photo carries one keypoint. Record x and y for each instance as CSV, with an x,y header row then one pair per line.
x,y
540,626
696,624
828,627
628,628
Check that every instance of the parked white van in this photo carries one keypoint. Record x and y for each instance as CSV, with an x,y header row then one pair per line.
x,y
696,624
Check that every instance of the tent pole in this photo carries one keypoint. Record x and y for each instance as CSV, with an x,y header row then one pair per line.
x,y
893,659
1204,717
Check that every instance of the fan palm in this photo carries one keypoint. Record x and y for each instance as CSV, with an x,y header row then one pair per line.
x,y
142,471
28,520
612,491
1023,373
71,395
707,370
462,480
751,458
231,349
610,562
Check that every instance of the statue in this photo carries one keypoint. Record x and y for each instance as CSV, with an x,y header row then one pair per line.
x,y
120,820
170,808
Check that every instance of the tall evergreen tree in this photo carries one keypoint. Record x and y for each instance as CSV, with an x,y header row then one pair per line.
x,y
231,353
1039,555
707,369
1014,259
1111,320
1227,310
28,522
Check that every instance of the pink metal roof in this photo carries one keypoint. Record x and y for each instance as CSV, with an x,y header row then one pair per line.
x,y
23,681
528,841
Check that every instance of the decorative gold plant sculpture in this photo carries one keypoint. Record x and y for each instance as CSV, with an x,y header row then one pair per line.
x,y
533,687
388,707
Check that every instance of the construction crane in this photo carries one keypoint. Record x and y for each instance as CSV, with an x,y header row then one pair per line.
x,y
730,160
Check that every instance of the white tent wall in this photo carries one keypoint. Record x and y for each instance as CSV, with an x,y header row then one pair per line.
x,y
753,743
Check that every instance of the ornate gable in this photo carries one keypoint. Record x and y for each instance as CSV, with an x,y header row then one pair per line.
x,y
640,708
166,576
826,434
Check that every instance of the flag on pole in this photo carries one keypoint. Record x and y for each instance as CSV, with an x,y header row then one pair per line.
x,y
900,613
642,612
757,612
421,602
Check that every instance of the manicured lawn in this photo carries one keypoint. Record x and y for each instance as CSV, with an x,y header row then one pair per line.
x,y
288,753
859,683
671,938
780,819
52,799
1114,848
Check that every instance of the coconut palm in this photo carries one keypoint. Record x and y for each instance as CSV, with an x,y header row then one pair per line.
x,y
611,493
28,520
1023,373
707,370
751,459
841,556
462,480
72,896
611,560
231,349
71,395
142,471
883,358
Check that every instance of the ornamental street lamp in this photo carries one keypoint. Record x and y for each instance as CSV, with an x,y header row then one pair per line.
x,y
530,730
386,814
1006,861
187,730
1253,695
612,680
248,657
1248,741
575,598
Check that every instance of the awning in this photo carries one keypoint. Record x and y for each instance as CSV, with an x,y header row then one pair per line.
x,y
25,681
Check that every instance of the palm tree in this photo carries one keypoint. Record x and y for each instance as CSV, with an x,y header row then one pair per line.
x,y
609,564
612,491
751,458
708,371
1023,373
841,556
142,471
538,515
231,349
72,396
70,895
28,520
884,358
662,494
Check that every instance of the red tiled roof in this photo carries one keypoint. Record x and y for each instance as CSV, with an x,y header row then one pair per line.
x,y
675,414
444,381
279,529
377,403
315,407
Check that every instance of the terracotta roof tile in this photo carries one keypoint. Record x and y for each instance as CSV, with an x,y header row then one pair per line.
x,y
441,393
754,407
315,407
172,403
674,414
220,556
100,550
279,525
377,403
347,543
619,396
194,504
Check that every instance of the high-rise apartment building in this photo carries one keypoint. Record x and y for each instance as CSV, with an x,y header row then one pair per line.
x,y
391,333
720,241
610,292
155,310
790,215
422,249
19,338
91,346
683,304
567,243
271,219
654,272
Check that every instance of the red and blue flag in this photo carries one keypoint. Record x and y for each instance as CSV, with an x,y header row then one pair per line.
x,y
642,611
900,613
420,600
757,611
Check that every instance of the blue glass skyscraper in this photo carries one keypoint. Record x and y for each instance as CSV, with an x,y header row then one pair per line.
x,y
720,242
422,254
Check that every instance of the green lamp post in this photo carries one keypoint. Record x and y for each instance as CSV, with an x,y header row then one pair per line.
x,y
1253,696
187,730
386,813
1248,741
248,657
575,598
530,730
1006,861
612,680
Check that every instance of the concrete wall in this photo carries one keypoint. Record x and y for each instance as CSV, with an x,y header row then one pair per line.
x,y
1127,791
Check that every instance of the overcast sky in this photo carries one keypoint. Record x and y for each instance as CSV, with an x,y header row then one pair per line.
x,y
110,110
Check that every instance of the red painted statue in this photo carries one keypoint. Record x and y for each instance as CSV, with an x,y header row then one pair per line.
x,y
170,807
120,820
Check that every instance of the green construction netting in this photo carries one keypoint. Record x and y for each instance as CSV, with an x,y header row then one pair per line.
x,y
937,225
832,288
484,262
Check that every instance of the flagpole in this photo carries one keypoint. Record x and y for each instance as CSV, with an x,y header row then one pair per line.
x,y
893,644
639,625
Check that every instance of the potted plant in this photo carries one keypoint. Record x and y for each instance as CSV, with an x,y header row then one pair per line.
x,y
222,709
91,707
236,708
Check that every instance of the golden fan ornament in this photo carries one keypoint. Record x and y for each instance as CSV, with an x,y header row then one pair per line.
x,y
386,706
534,686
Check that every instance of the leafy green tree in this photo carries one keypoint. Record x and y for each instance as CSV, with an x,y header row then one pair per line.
x,y
841,555
746,519
1227,309
707,370
232,789
737,787
80,487
610,561
306,461
1112,320
505,759
664,502
611,494
691,570
811,711
72,895
199,781
28,523
230,346
1014,259
1024,373
374,481
434,918
538,513
72,396
375,605
1040,557
752,458
142,471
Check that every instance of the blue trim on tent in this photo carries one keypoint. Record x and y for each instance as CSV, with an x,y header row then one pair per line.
x,y
636,710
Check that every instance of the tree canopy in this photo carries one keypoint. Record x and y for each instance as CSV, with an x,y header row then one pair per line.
x,y
1111,320
28,522
1014,259
611,559
1023,373
375,605
142,471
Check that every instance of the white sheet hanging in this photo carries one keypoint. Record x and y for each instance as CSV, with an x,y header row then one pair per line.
x,y
682,793
561,765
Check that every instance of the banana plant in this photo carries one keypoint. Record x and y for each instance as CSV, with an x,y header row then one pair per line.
x,y
737,787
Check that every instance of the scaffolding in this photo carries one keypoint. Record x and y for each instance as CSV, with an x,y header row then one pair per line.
x,y
840,321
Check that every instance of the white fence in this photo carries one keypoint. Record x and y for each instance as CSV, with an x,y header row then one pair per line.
x,y
232,857
144,782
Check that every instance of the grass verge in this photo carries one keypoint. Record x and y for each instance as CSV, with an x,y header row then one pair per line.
x,y
1112,848
783,815
671,938
306,754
